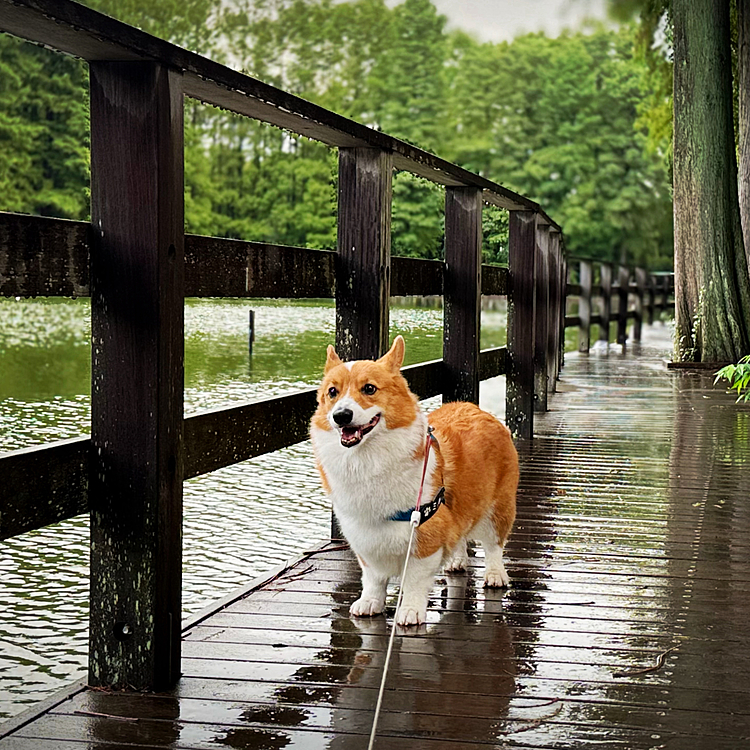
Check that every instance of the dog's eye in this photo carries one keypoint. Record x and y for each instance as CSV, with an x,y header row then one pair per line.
x,y
332,393
369,389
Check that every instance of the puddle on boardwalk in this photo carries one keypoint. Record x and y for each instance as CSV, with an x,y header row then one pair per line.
x,y
239,521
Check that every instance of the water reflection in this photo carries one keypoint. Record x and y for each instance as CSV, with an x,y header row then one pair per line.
x,y
466,647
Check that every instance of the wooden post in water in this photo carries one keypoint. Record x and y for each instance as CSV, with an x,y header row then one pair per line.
x,y
605,271
541,364
519,408
137,298
584,306
251,332
622,310
363,262
462,293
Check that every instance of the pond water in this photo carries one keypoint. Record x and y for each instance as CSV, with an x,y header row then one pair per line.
x,y
239,521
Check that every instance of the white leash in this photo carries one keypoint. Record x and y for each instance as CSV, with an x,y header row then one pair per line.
x,y
414,523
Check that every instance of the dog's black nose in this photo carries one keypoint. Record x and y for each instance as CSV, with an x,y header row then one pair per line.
x,y
343,417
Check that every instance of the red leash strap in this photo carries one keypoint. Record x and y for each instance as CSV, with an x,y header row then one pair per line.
x,y
424,466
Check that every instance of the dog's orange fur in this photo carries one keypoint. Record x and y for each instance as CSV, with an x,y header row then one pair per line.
x,y
478,466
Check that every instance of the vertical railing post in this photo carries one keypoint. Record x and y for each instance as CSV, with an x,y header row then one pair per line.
x,y
363,261
605,272
552,312
519,407
563,304
462,293
623,280
557,327
640,280
541,364
651,304
137,302
584,306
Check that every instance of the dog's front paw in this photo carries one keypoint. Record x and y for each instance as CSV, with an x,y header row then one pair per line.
x,y
409,614
367,606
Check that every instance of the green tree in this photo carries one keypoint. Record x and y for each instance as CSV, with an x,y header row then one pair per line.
x,y
560,126
43,131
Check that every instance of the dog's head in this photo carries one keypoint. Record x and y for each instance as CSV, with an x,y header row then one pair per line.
x,y
360,399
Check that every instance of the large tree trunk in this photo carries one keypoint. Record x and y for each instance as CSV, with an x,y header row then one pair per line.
x,y
743,75
712,283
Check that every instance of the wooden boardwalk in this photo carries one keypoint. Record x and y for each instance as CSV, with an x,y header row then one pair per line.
x,y
626,625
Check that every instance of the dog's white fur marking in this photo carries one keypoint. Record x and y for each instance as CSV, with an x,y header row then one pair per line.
x,y
378,462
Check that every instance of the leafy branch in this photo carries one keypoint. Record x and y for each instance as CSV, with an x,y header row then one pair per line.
x,y
739,378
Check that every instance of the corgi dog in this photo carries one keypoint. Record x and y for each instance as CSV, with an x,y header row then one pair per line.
x,y
369,439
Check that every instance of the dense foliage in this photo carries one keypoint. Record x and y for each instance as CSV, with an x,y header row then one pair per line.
x,y
554,119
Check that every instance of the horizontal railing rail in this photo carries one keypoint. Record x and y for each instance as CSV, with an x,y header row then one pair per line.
x,y
51,257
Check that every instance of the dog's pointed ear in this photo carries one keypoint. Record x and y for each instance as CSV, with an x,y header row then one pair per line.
x,y
332,359
395,356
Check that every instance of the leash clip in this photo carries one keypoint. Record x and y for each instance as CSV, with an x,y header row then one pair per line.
x,y
416,518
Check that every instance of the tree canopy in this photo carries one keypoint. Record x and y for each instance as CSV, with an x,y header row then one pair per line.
x,y
559,120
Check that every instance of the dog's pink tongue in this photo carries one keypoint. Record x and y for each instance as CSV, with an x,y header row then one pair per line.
x,y
350,436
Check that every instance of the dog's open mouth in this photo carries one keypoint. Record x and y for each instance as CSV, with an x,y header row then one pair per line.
x,y
351,435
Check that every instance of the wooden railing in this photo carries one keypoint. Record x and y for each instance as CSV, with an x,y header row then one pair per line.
x,y
650,293
136,264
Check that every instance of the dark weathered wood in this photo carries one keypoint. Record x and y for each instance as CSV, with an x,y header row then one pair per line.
x,y
364,253
640,293
623,288
543,276
462,293
137,281
494,280
557,300
519,408
222,437
605,272
216,267
43,257
493,362
651,298
586,273
43,485
82,32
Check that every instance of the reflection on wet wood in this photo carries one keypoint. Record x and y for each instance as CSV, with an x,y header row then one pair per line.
x,y
630,552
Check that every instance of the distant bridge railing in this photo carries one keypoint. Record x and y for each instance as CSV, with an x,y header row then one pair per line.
x,y
137,265
638,294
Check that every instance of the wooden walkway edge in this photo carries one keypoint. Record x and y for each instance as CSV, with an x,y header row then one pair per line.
x,y
625,626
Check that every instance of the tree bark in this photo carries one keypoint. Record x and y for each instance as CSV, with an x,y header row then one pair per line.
x,y
711,270
743,75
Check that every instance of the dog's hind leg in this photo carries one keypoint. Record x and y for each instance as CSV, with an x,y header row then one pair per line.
x,y
458,559
372,600
493,541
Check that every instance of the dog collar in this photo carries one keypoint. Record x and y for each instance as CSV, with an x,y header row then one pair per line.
x,y
426,512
